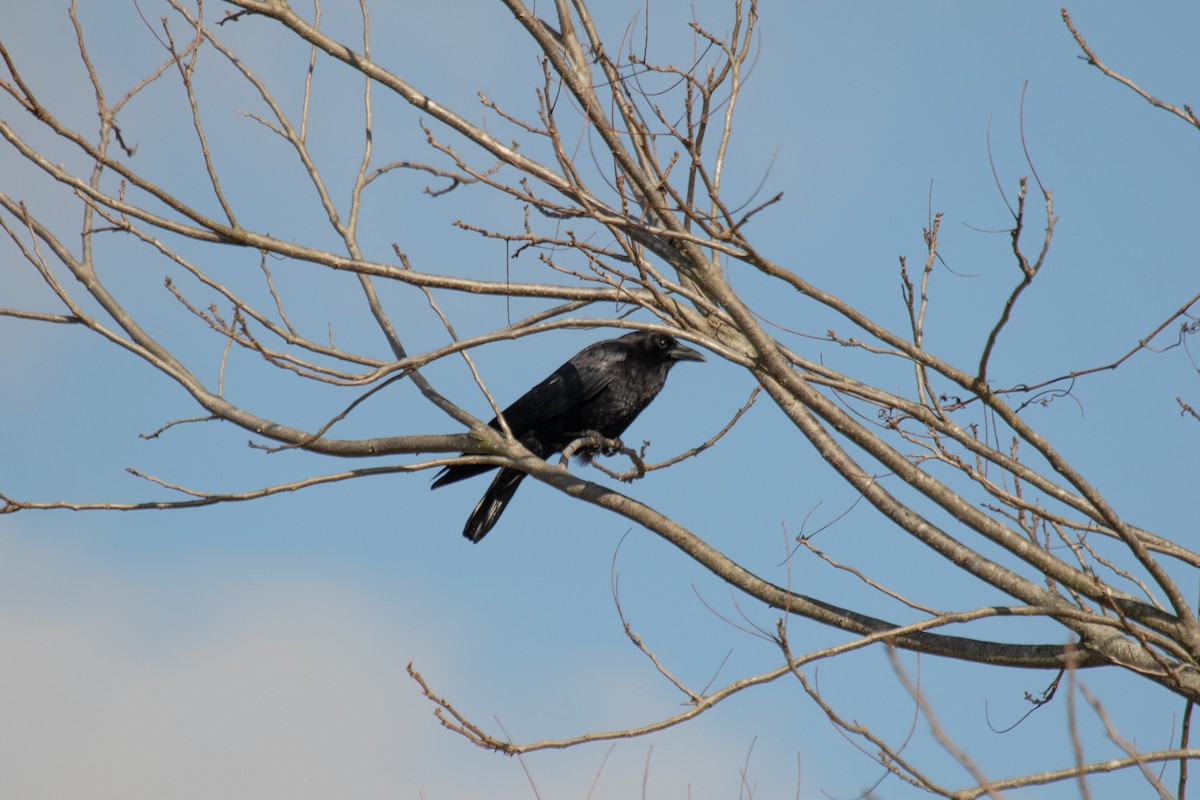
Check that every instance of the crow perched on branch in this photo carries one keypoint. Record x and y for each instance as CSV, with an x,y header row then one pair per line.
x,y
599,391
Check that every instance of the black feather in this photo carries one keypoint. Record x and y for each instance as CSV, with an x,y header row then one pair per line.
x,y
601,389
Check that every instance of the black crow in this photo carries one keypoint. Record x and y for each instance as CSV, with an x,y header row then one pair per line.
x,y
600,390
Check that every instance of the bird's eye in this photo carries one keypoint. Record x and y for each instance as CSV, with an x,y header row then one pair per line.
x,y
663,342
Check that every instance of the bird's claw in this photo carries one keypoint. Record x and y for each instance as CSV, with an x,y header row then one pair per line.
x,y
612,447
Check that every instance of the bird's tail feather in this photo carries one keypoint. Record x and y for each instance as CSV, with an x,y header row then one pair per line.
x,y
459,472
492,505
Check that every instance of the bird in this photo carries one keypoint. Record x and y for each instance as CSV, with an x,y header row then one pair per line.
x,y
600,390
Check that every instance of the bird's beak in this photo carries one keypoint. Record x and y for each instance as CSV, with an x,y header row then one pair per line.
x,y
683,353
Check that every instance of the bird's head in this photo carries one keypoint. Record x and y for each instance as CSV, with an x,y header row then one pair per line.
x,y
661,348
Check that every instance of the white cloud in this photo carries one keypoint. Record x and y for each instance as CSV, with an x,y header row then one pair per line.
x,y
221,681
280,686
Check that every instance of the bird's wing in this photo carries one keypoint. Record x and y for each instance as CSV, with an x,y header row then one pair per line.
x,y
572,384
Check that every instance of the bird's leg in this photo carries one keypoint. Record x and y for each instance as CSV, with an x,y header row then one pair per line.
x,y
612,447
590,443
587,444
629,476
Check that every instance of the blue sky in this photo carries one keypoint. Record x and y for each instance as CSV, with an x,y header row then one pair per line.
x,y
259,649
